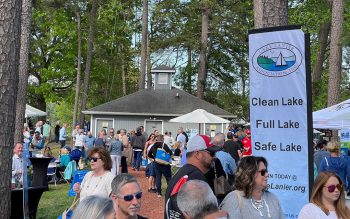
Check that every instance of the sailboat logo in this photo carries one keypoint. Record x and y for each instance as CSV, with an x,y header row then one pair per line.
x,y
277,59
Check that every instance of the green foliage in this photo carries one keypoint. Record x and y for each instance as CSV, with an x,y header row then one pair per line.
x,y
175,31
264,60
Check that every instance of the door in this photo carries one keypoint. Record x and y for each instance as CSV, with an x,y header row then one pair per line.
x,y
103,124
152,125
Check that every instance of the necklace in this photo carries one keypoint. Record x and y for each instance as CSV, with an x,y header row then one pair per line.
x,y
92,184
258,205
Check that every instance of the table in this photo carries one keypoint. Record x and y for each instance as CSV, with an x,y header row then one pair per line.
x,y
34,195
40,165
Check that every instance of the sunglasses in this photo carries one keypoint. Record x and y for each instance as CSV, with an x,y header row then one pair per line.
x,y
263,172
211,153
130,197
331,188
94,159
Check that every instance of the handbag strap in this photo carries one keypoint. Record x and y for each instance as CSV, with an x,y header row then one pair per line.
x,y
326,161
216,176
74,203
239,197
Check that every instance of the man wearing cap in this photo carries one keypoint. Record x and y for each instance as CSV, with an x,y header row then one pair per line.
x,y
199,157
247,144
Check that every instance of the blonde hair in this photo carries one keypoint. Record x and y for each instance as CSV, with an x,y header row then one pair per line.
x,y
177,144
333,146
316,197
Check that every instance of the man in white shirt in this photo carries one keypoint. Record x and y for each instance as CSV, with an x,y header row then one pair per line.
x,y
74,133
167,139
17,166
181,137
79,139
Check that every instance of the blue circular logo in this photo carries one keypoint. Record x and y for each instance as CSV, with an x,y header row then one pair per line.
x,y
277,59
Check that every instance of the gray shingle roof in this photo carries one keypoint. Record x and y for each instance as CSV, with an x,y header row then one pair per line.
x,y
157,102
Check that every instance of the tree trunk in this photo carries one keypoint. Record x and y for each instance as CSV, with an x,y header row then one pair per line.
x,y
93,18
323,39
26,21
123,77
335,56
143,45
188,87
270,13
10,23
202,70
149,67
77,88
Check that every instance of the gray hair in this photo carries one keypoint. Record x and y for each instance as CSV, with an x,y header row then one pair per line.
x,y
94,207
219,139
120,180
196,199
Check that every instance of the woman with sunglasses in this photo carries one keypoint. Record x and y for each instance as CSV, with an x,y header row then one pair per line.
x,y
327,199
98,180
150,171
251,198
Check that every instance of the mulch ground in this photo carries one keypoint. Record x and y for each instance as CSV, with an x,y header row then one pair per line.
x,y
152,206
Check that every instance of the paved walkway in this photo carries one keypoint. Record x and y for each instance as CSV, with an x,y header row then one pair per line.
x,y
152,206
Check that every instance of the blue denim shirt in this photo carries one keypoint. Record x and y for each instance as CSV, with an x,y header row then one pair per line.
x,y
227,162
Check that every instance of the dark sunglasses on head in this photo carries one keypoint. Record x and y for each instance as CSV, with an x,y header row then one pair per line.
x,y
331,188
130,197
94,159
211,153
263,172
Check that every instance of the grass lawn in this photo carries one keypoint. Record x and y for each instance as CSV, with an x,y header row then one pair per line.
x,y
54,201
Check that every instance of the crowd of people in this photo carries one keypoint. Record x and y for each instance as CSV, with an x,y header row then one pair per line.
x,y
217,178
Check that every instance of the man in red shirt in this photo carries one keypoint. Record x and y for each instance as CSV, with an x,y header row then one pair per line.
x,y
247,144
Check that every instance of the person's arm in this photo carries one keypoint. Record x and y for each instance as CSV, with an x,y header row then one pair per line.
x,y
125,141
151,153
322,166
14,171
231,165
168,150
240,154
145,150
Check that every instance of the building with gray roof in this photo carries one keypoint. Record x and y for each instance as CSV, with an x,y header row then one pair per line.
x,y
153,108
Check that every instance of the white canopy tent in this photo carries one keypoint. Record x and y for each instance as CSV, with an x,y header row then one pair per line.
x,y
333,117
200,116
33,112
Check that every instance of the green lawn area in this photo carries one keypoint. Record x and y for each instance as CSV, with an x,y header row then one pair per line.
x,y
54,201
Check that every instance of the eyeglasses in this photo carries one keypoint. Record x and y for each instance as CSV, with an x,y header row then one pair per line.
x,y
331,188
211,153
263,172
94,159
130,197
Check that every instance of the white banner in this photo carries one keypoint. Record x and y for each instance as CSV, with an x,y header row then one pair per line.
x,y
278,113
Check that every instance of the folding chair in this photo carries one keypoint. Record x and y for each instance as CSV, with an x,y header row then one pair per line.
x,y
69,171
51,171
